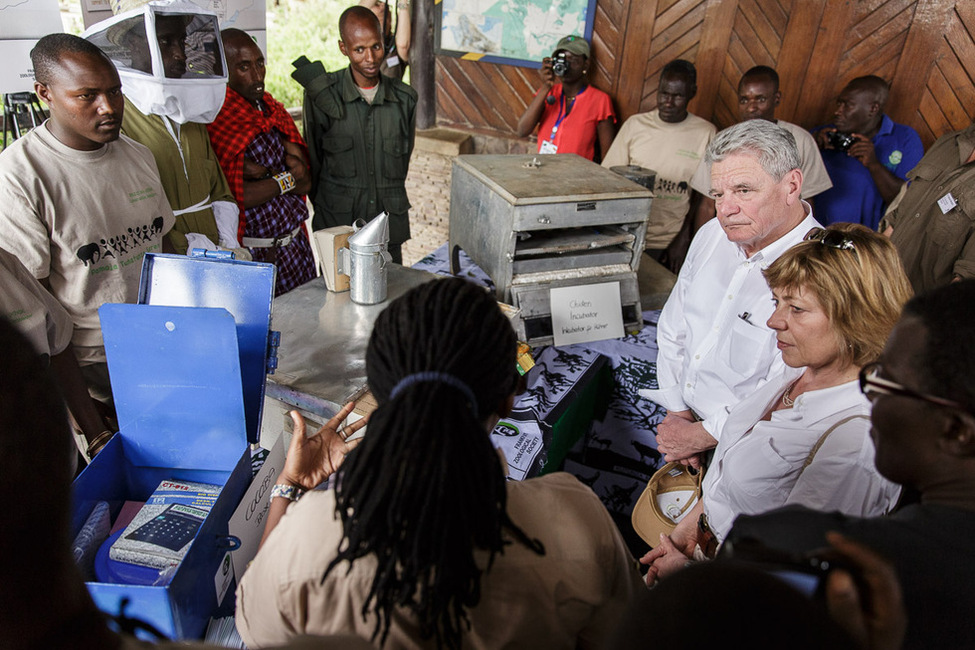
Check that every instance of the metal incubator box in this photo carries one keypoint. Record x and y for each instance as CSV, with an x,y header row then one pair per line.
x,y
188,383
535,222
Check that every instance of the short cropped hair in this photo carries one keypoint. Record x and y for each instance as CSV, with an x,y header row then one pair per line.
x,y
759,72
680,68
862,291
948,316
774,147
46,55
871,84
360,14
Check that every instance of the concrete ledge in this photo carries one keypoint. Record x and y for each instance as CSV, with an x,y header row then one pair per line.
x,y
446,142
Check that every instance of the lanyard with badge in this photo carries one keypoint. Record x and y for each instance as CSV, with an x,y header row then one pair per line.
x,y
549,146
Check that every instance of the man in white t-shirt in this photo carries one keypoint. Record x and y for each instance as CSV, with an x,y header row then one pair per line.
x,y
671,142
79,205
715,347
758,96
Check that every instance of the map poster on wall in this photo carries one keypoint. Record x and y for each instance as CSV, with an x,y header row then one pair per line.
x,y
516,32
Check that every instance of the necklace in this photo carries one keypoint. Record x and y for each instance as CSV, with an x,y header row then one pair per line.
x,y
787,395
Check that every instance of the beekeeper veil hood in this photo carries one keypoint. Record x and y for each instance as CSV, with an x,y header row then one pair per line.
x,y
181,73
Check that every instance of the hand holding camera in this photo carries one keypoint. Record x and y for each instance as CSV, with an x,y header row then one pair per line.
x,y
548,75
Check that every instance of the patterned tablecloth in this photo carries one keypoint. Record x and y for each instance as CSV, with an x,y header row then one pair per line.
x,y
619,454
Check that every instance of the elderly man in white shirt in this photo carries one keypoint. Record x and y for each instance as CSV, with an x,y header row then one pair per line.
x,y
714,346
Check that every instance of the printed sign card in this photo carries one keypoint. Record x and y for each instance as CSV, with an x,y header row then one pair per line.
x,y
589,312
247,523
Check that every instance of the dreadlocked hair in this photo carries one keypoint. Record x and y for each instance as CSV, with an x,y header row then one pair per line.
x,y
425,489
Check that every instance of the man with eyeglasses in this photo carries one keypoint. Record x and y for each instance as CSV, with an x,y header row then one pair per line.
x,y
923,394
715,348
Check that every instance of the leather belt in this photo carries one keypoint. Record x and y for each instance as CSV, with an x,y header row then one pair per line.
x,y
276,242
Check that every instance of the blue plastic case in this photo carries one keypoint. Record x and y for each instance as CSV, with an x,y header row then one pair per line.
x,y
185,414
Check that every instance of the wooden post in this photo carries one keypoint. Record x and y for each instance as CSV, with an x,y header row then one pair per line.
x,y
423,64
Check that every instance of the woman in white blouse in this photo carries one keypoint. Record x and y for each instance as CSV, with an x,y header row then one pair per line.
x,y
805,437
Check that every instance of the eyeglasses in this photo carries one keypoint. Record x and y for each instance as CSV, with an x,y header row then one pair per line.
x,y
831,238
872,385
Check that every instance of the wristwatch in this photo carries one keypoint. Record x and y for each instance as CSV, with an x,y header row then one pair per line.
x,y
289,492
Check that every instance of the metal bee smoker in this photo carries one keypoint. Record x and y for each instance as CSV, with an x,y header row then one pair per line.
x,y
365,260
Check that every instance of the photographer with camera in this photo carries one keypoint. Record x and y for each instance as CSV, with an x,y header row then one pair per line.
x,y
866,153
570,114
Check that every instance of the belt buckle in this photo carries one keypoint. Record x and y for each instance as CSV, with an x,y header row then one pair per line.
x,y
277,241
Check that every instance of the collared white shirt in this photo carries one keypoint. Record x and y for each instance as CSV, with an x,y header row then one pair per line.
x,y
714,346
758,464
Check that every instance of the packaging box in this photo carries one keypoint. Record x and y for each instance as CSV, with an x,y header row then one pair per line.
x,y
177,382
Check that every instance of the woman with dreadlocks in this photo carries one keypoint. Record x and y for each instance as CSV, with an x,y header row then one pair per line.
x,y
424,543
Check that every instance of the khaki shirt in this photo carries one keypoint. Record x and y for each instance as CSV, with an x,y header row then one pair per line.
x,y
935,242
673,151
571,597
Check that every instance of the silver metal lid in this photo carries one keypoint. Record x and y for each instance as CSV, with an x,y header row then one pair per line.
x,y
372,237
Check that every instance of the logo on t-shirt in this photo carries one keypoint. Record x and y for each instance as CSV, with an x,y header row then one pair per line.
x,y
895,157
111,250
666,186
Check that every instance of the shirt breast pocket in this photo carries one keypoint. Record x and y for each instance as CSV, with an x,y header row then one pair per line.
x,y
762,472
950,231
339,151
747,347
396,158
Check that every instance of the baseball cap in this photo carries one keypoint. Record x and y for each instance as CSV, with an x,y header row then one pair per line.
x,y
671,493
573,45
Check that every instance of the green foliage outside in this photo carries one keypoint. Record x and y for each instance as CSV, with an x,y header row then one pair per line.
x,y
296,27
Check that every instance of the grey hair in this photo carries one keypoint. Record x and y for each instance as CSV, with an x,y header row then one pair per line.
x,y
774,147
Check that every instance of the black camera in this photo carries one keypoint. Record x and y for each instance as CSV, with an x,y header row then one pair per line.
x,y
559,64
841,141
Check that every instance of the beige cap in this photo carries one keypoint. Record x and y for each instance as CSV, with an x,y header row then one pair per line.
x,y
670,494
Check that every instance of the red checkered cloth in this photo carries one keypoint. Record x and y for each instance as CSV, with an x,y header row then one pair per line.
x,y
236,125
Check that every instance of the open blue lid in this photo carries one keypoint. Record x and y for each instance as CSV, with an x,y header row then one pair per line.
x,y
245,289
175,377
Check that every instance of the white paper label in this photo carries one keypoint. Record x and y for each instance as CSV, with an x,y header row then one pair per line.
x,y
946,203
589,312
548,146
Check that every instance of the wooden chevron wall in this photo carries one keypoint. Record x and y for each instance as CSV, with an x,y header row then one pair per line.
x,y
925,48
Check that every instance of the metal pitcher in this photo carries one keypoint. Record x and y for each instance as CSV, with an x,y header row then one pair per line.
x,y
365,259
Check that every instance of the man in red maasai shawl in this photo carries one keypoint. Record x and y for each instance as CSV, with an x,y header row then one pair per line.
x,y
266,163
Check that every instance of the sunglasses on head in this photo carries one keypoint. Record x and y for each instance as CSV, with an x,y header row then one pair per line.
x,y
831,239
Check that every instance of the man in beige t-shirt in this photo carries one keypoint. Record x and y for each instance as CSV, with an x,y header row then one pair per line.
x,y
671,142
80,206
758,96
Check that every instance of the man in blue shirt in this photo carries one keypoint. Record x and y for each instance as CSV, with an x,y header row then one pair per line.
x,y
866,154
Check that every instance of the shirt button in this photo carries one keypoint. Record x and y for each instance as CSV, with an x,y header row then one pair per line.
x,y
697,356
730,297
688,385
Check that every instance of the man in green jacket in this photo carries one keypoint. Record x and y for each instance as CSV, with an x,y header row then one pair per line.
x,y
360,127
